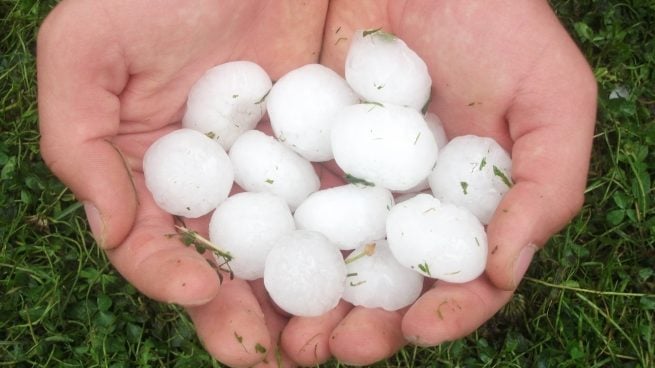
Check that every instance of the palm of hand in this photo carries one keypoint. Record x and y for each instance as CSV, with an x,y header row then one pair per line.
x,y
488,80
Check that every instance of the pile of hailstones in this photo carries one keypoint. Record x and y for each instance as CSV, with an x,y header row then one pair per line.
x,y
286,230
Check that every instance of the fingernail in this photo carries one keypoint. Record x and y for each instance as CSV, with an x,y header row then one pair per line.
x,y
346,363
96,223
522,262
194,302
417,341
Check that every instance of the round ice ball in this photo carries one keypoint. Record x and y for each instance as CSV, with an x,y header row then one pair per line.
x,y
263,164
227,100
377,280
436,126
473,172
382,68
438,240
349,215
245,225
305,273
187,173
301,106
387,145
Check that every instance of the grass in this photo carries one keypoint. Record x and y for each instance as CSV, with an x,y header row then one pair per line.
x,y
587,301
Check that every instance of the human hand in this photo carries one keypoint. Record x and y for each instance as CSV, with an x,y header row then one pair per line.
x,y
500,69
113,77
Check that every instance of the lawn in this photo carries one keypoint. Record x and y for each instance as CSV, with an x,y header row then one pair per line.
x,y
588,299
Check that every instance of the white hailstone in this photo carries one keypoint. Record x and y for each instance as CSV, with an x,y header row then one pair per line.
x,y
245,225
377,280
301,106
348,215
305,273
382,68
434,123
263,164
227,100
187,173
473,172
436,126
387,145
438,240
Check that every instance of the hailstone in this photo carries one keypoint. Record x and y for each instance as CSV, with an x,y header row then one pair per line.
x,y
263,164
187,173
473,172
377,280
305,273
436,126
245,225
386,145
438,240
301,106
382,68
348,215
227,100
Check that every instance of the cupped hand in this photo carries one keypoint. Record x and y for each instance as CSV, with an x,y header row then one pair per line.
x,y
113,76
501,69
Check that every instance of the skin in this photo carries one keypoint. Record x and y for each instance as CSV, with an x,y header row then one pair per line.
x,y
113,76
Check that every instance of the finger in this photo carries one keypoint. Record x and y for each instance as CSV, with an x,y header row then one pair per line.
x,y
551,122
367,335
232,326
275,322
79,111
157,263
343,19
526,218
450,311
306,339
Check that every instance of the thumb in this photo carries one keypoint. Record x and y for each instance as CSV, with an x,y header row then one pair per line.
x,y
97,175
523,222
80,73
551,123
